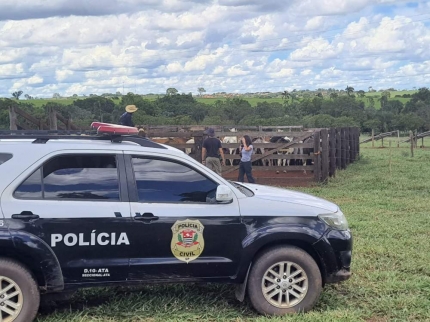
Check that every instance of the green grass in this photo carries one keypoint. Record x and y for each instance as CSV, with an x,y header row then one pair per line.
x,y
63,101
40,102
392,93
385,198
252,100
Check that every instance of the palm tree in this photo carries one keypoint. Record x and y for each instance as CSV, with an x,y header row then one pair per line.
x,y
349,90
285,95
370,88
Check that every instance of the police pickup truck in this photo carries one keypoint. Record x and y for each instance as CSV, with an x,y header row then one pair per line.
x,y
116,209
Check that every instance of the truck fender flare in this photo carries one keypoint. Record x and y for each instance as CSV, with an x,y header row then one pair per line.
x,y
40,258
270,234
273,235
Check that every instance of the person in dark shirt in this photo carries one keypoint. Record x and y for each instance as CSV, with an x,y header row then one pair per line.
x,y
127,118
211,152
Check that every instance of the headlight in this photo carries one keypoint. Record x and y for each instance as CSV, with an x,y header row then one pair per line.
x,y
335,220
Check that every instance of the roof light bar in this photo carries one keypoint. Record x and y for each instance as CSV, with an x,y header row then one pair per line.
x,y
107,128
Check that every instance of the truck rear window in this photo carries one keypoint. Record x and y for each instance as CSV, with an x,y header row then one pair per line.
x,y
5,157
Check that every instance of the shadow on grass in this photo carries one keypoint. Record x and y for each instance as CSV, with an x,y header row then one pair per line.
x,y
158,301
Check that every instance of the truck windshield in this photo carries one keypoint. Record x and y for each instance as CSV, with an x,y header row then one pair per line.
x,y
5,157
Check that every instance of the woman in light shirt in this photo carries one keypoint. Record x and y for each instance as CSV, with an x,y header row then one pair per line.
x,y
245,166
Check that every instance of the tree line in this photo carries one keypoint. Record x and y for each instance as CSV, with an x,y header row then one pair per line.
x,y
180,109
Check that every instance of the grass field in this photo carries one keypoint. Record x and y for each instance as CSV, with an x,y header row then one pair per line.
x,y
40,102
385,198
253,101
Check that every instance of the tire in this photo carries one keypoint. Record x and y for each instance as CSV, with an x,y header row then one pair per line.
x,y
18,279
303,289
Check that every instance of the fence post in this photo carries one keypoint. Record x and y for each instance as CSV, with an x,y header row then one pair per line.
x,y
358,143
416,139
12,119
317,157
356,140
324,155
52,119
373,139
343,149
411,137
198,143
351,144
332,142
398,138
338,148
346,146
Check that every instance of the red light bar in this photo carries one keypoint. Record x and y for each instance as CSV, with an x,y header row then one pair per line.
x,y
107,128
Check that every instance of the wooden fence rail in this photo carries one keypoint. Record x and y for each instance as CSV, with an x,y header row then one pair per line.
x,y
321,151
330,150
335,149
53,116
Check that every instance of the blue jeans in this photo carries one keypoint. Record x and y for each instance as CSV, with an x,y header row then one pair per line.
x,y
245,168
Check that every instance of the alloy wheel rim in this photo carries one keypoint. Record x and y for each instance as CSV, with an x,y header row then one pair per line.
x,y
284,284
11,299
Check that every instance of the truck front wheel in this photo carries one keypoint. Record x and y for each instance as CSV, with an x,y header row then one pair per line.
x,y
284,279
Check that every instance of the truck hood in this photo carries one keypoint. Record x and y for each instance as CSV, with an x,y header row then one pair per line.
x,y
290,196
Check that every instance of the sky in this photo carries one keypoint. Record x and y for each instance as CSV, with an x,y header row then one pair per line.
x,y
146,46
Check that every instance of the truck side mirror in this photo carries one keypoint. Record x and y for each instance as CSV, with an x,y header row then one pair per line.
x,y
224,194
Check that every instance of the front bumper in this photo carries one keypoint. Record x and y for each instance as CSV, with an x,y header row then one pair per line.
x,y
335,253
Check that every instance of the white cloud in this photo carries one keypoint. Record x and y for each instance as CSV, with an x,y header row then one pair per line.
x,y
236,71
240,45
35,80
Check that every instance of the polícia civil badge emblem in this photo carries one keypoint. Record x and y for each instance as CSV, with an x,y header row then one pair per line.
x,y
187,240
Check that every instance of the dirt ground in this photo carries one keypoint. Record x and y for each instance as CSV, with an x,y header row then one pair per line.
x,y
283,179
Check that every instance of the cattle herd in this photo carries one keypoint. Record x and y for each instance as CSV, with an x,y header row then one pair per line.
x,y
303,154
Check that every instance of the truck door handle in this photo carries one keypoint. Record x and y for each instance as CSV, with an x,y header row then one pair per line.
x,y
146,217
25,215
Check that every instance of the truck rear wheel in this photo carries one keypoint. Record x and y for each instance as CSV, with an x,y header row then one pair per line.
x,y
19,294
284,279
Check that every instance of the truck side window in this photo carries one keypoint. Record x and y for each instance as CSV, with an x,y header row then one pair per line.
x,y
30,188
78,177
5,157
168,181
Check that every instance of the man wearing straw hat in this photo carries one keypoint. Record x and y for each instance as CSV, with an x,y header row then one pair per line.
x,y
127,118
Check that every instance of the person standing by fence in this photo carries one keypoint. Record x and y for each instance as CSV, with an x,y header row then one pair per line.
x,y
211,152
245,166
